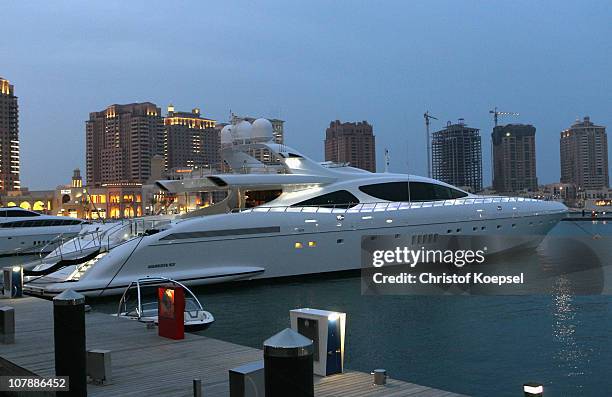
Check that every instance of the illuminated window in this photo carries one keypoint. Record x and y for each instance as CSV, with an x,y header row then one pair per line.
x,y
298,245
312,243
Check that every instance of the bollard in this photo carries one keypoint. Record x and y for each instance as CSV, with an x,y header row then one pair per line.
x,y
247,380
69,338
197,388
533,389
380,377
99,366
288,365
7,325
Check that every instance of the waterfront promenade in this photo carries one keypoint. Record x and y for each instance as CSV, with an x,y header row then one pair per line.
x,y
144,364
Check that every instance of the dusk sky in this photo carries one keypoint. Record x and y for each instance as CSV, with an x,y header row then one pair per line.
x,y
308,63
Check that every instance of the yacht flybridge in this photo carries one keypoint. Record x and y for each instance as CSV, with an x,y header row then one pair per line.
x,y
296,217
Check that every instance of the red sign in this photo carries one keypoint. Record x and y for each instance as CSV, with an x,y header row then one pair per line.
x,y
171,312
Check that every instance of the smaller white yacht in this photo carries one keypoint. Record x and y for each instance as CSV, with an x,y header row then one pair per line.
x,y
139,302
25,232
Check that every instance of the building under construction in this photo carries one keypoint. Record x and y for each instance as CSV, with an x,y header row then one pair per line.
x,y
457,156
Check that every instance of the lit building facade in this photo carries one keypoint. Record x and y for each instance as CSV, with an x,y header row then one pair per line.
x,y
9,138
352,143
78,201
190,141
121,141
457,156
514,158
584,155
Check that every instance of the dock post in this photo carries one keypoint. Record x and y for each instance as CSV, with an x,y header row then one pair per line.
x,y
288,365
7,325
69,339
197,388
380,377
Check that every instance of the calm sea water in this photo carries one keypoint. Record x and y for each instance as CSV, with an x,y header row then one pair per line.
x,y
476,345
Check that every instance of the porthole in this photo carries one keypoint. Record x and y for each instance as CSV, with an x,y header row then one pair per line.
x,y
340,241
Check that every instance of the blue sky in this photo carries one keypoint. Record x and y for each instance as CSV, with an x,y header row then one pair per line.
x,y
308,62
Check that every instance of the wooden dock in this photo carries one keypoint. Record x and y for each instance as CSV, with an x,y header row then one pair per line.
x,y
144,364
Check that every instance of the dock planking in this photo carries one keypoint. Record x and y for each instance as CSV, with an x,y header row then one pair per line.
x,y
143,364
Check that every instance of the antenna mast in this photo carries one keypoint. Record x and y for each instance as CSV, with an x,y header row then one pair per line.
x,y
428,116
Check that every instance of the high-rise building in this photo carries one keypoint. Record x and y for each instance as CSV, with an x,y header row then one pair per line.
x,y
278,132
191,141
9,138
352,143
584,155
514,158
121,141
457,156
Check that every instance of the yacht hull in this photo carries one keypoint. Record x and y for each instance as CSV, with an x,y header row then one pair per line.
x,y
202,251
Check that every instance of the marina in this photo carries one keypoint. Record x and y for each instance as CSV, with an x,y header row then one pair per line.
x,y
144,363
305,199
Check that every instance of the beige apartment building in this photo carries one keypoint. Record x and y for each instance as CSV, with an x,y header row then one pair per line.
x,y
584,155
121,141
352,143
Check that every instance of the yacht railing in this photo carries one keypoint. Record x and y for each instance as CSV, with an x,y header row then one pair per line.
x,y
383,206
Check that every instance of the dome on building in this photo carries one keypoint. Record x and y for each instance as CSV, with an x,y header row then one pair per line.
x,y
226,134
262,130
243,130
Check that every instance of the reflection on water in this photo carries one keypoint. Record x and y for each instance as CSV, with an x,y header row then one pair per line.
x,y
476,345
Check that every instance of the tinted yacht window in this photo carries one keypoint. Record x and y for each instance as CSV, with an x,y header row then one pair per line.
x,y
338,199
19,214
419,191
390,191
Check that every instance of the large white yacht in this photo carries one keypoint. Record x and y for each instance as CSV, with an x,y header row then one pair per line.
x,y
25,232
299,217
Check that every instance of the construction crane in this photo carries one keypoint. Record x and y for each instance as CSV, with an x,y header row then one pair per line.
x,y
427,117
497,113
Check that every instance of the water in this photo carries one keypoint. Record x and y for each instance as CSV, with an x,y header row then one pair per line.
x,y
476,345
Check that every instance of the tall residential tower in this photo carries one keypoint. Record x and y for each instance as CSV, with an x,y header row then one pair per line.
x,y
584,155
514,158
457,156
191,141
352,143
9,138
121,141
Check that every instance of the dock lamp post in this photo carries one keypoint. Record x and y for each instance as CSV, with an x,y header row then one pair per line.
x,y
533,389
13,281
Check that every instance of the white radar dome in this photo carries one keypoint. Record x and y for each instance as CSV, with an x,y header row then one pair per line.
x,y
262,130
226,135
243,130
